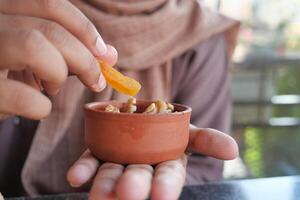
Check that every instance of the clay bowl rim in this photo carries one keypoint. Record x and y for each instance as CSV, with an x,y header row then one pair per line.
x,y
92,107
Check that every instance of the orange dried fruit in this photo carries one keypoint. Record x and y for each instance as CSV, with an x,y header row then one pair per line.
x,y
118,81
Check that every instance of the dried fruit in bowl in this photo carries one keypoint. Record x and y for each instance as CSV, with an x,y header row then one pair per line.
x,y
157,107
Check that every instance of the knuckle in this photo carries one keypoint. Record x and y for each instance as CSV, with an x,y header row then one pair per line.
x,y
86,27
61,77
51,29
50,5
92,64
90,67
32,40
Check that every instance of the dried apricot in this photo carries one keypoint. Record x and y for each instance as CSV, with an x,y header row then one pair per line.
x,y
118,81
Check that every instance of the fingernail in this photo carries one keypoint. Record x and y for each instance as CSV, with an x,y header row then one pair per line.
x,y
100,85
96,88
100,46
101,82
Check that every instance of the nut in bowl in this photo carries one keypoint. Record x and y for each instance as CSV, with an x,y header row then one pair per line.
x,y
137,132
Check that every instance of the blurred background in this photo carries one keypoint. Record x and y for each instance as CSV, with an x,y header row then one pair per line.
x,y
265,87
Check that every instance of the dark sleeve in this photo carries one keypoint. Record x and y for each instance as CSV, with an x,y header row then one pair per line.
x,y
16,134
201,81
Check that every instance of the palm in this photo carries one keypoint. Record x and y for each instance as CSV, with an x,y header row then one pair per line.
x,y
139,181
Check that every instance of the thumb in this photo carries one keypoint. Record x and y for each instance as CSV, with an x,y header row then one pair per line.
x,y
212,143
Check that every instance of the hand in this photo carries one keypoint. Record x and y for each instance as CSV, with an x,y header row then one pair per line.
x,y
45,40
137,182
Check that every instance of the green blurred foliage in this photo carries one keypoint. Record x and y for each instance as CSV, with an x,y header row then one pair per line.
x,y
272,151
288,83
253,154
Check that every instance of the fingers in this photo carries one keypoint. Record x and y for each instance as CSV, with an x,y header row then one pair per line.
x,y
20,99
29,48
68,29
135,183
78,58
26,76
83,169
62,12
105,182
169,178
111,56
213,143
112,182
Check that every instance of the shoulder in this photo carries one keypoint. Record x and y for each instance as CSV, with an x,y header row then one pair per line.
x,y
205,61
201,51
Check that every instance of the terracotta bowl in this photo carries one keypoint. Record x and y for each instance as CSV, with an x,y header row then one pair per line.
x,y
136,138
